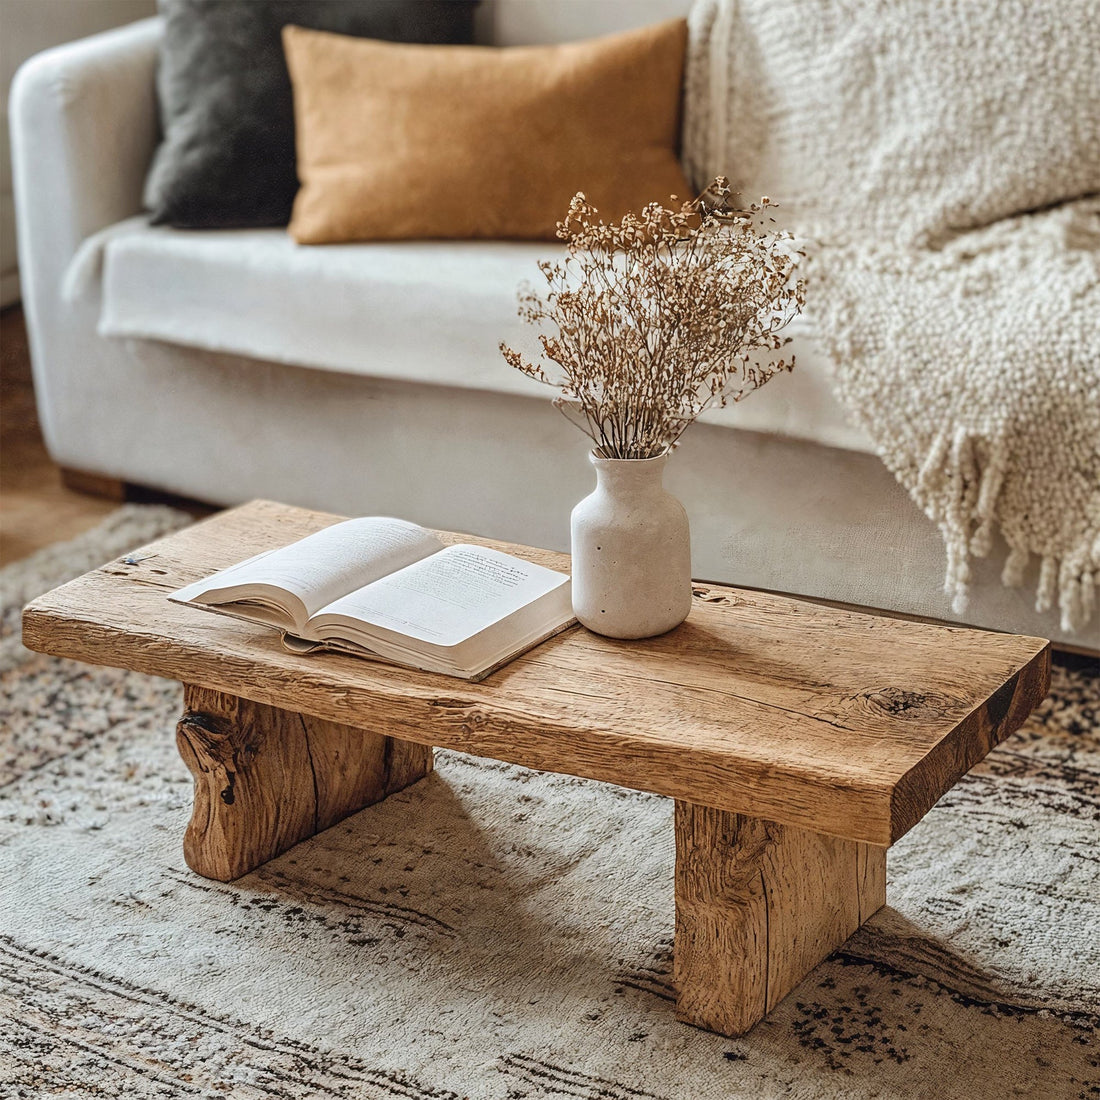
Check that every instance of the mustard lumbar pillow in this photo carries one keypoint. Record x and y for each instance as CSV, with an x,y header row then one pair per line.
x,y
400,141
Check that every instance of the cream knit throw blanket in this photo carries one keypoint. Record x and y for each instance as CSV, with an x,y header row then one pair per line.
x,y
939,157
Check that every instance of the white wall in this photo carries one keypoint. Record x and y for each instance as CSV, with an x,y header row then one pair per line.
x,y
26,27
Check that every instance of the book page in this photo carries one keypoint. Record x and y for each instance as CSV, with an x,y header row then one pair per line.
x,y
450,596
330,562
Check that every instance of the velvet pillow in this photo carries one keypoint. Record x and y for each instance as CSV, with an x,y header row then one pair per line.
x,y
227,158
399,141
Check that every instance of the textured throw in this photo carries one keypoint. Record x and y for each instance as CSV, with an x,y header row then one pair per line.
x,y
498,933
938,159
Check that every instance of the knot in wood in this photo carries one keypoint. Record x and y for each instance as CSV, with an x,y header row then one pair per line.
x,y
207,723
716,596
906,704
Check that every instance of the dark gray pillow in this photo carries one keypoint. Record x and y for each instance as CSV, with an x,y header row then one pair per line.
x,y
227,113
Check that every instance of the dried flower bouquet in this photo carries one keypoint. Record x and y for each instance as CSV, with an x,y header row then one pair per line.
x,y
655,319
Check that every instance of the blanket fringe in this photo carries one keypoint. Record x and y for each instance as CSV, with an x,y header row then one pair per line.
x,y
1048,583
951,475
960,492
1076,592
1015,566
993,476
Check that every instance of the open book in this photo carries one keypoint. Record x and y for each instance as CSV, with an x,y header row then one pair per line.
x,y
389,589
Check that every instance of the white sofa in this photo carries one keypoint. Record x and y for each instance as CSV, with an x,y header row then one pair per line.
x,y
366,378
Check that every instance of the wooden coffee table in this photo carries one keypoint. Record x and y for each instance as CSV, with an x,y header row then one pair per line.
x,y
798,741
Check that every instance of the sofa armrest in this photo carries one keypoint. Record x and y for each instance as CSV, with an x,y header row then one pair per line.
x,y
83,130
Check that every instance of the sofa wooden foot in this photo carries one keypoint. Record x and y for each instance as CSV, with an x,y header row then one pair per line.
x,y
266,778
758,906
77,481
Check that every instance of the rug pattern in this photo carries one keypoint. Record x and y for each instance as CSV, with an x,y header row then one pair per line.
x,y
494,932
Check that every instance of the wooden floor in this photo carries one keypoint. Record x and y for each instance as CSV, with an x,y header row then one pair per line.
x,y
36,509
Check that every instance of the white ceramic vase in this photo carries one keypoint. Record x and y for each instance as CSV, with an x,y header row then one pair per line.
x,y
631,551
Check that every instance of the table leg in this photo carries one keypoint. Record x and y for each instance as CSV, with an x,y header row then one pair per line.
x,y
758,906
266,778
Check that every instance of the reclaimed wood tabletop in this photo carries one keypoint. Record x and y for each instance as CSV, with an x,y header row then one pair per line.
x,y
846,723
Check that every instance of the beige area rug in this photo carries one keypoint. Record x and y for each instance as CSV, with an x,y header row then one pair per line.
x,y
494,932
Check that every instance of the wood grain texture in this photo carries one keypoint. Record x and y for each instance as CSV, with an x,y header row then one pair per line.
x,y
759,905
266,778
845,724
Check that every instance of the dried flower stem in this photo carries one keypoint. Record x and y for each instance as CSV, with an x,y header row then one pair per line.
x,y
653,320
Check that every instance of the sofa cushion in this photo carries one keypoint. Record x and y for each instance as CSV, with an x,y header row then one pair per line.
x,y
227,158
403,141
418,311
